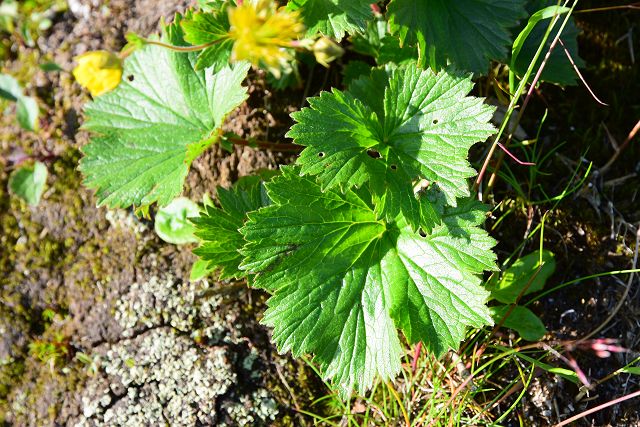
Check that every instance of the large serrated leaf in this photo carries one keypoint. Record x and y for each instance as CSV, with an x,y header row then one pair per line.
x,y
469,33
390,129
333,18
149,130
217,228
343,280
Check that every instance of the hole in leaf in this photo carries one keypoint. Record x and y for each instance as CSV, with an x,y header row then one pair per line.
x,y
321,154
394,167
373,154
435,121
422,233
130,77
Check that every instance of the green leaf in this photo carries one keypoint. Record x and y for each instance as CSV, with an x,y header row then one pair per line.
x,y
27,112
633,370
171,223
354,70
199,270
375,42
392,51
391,129
333,18
28,182
211,5
520,319
217,228
368,43
567,374
343,280
160,118
558,68
469,33
521,275
205,28
10,88
50,67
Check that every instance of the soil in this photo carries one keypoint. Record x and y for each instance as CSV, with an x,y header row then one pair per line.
x,y
130,333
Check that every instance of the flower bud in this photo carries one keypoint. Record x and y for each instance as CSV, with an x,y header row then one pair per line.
x,y
99,71
326,50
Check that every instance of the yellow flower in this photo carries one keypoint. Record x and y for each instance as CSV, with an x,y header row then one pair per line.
x,y
99,71
263,33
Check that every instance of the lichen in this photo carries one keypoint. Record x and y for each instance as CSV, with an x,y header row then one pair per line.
x,y
156,377
178,363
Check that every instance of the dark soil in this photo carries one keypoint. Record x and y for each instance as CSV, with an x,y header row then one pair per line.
x,y
592,231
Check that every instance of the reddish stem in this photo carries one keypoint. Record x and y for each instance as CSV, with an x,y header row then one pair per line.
x,y
416,355
598,408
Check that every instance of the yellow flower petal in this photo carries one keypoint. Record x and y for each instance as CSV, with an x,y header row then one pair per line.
x,y
99,71
263,33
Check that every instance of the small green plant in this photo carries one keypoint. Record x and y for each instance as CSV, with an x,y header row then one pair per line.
x,y
374,229
52,352
28,181
28,18
526,275
172,221
27,110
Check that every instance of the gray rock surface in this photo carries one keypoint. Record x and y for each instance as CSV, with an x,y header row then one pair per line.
x,y
176,363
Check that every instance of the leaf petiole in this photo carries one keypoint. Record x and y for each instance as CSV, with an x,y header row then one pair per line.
x,y
185,48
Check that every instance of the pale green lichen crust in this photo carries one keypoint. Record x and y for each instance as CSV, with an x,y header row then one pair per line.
x,y
177,363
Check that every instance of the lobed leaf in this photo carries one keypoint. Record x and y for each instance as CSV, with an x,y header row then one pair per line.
x,y
217,228
469,33
147,132
333,18
343,280
390,129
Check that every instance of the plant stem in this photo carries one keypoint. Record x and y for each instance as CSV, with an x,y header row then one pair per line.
x,y
633,6
598,408
517,95
185,48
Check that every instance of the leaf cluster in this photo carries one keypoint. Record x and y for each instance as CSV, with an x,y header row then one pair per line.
x,y
371,239
348,248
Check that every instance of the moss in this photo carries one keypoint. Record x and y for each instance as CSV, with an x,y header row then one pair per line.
x,y
39,253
